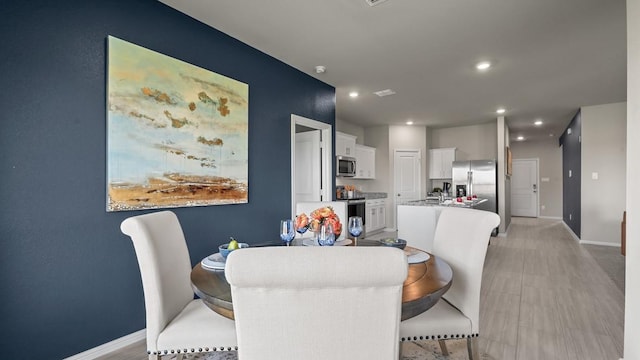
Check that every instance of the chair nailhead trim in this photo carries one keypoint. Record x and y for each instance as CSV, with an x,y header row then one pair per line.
x,y
432,337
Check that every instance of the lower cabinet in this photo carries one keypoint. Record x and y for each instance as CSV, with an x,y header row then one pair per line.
x,y
376,215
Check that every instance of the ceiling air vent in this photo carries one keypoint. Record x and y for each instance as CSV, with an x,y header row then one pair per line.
x,y
386,92
374,2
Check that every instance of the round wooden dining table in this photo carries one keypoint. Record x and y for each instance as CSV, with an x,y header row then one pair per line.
x,y
426,282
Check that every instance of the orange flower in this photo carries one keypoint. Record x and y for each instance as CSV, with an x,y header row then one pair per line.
x,y
335,223
314,225
325,211
302,221
317,217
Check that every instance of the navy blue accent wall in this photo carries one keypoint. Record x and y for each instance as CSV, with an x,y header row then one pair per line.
x,y
69,278
572,160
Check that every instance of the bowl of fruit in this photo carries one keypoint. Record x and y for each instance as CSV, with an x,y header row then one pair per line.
x,y
226,249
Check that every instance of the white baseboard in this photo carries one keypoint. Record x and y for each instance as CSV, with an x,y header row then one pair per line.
x,y
110,347
601,243
550,217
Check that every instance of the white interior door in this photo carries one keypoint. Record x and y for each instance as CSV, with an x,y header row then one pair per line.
x,y
406,168
406,178
307,165
524,188
301,124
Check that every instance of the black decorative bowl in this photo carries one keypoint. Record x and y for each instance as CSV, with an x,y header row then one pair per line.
x,y
393,242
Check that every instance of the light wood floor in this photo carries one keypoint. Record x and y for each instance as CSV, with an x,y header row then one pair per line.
x,y
543,297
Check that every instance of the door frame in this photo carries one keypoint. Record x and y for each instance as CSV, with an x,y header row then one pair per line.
x,y
537,196
326,144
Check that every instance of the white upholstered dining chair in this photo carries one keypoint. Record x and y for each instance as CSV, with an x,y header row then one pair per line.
x,y
339,207
176,323
317,303
461,239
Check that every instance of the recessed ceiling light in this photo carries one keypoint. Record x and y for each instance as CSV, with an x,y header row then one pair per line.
x,y
520,138
353,94
537,123
551,134
483,65
320,69
501,110
409,122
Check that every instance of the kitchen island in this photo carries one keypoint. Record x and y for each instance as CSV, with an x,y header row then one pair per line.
x,y
417,219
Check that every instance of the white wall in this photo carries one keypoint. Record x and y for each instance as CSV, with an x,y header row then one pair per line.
x,y
549,155
632,292
604,150
351,129
473,142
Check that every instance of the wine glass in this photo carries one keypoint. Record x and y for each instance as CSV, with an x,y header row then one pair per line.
x,y
355,227
287,231
302,230
326,237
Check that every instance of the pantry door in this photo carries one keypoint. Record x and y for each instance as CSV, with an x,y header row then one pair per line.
x,y
524,188
406,169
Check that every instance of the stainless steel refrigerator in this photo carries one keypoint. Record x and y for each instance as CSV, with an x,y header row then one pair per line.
x,y
477,177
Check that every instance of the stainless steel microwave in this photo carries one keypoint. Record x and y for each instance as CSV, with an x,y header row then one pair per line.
x,y
345,166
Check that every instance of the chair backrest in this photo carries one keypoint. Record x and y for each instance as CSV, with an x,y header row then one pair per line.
x,y
461,239
317,302
165,267
339,207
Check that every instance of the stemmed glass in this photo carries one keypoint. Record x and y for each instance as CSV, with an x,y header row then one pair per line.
x,y
326,237
287,231
355,228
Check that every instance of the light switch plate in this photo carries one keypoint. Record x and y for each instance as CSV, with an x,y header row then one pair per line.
x,y
594,176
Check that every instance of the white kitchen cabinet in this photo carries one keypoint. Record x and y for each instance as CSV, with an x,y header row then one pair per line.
x,y
365,162
440,162
375,215
345,144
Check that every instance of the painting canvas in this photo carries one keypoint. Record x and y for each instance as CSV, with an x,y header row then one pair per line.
x,y
177,134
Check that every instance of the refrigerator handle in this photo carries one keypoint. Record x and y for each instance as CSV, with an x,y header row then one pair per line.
x,y
469,182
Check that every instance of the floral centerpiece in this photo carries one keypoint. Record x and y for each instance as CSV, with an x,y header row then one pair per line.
x,y
317,218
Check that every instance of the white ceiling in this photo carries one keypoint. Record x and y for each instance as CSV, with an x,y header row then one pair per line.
x,y
550,56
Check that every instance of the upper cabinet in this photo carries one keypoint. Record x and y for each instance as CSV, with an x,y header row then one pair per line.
x,y
345,144
440,163
365,162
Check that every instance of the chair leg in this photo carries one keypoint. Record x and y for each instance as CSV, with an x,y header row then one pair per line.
x,y
443,347
472,348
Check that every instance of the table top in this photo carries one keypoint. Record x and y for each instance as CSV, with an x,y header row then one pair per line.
x,y
426,283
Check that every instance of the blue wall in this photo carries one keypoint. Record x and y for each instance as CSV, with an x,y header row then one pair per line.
x,y
69,278
571,186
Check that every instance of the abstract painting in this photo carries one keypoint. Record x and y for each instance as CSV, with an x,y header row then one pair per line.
x,y
177,134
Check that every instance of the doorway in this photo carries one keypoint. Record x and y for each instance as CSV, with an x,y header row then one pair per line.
x,y
524,188
311,164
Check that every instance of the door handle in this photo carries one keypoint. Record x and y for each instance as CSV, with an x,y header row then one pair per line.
x,y
535,188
